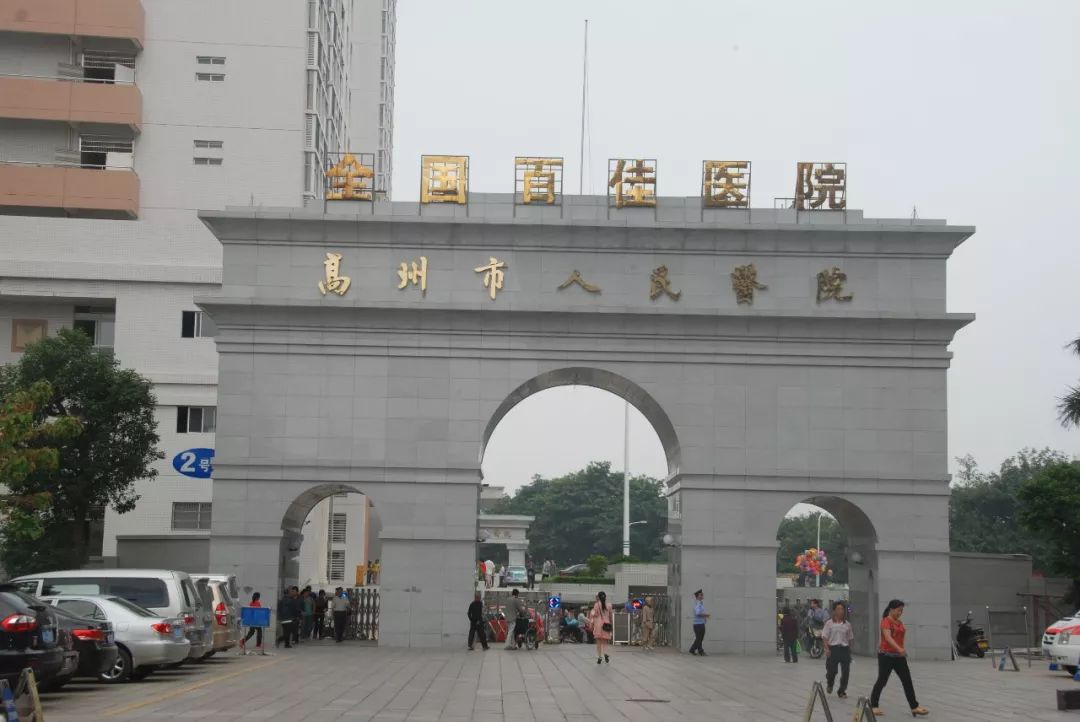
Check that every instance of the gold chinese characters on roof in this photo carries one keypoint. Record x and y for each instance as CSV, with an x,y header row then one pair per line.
x,y
350,179
725,184
633,182
537,180
444,179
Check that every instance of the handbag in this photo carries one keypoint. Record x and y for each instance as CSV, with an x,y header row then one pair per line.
x,y
606,626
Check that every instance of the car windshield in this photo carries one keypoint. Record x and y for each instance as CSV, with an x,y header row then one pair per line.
x,y
131,607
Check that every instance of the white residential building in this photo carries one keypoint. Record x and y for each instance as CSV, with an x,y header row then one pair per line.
x,y
118,121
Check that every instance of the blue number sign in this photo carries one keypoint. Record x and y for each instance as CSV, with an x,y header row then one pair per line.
x,y
195,463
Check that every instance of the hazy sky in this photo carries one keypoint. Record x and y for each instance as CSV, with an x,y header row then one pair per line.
x,y
967,111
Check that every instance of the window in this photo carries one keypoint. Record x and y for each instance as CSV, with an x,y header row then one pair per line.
x,y
97,323
198,160
209,144
107,66
148,593
104,151
196,419
191,515
25,331
196,324
337,528
81,608
335,566
213,77
209,60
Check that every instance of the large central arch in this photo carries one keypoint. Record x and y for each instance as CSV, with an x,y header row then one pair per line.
x,y
393,389
606,381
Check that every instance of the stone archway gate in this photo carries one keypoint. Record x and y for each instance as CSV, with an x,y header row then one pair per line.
x,y
782,354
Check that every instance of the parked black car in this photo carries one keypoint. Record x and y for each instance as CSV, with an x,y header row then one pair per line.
x,y
28,637
94,642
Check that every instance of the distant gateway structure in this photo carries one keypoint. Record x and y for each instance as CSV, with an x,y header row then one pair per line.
x,y
782,356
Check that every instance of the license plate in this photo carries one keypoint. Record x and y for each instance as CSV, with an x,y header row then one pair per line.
x,y
178,632
47,636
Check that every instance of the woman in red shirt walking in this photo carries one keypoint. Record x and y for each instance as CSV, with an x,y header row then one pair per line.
x,y
892,656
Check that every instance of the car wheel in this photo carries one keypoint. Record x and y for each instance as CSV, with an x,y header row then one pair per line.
x,y
121,669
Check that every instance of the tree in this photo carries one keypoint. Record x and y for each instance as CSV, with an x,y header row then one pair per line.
x,y
984,508
799,533
1050,510
96,468
580,514
21,457
1069,404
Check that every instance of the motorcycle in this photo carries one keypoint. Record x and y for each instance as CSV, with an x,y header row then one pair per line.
x,y
970,639
813,645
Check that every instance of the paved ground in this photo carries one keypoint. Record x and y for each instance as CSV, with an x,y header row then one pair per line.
x,y
327,681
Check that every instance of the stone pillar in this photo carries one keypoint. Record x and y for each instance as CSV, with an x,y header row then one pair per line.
x,y
516,552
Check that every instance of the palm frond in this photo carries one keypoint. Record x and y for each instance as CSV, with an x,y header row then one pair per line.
x,y
1069,408
1074,345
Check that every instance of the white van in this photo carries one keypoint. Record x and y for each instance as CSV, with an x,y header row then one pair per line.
x,y
162,591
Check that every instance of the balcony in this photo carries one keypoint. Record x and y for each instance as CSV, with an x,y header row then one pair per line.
x,y
70,101
123,19
68,191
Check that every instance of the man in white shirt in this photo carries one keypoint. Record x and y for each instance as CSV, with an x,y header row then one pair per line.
x,y
340,608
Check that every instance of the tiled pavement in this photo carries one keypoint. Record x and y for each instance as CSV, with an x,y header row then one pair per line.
x,y
326,681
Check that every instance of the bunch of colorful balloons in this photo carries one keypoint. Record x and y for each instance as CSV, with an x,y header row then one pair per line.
x,y
812,561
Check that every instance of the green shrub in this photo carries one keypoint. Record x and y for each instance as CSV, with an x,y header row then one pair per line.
x,y
597,564
582,579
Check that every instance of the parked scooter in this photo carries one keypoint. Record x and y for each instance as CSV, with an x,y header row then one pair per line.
x,y
970,639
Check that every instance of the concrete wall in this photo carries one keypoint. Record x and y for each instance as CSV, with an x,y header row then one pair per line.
x,y
995,580
162,552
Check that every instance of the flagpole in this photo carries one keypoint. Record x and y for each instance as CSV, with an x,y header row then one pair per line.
x,y
626,482
584,85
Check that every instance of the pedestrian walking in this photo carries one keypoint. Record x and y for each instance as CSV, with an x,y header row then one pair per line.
x,y
892,657
648,620
530,573
481,572
307,609
502,576
369,572
339,606
545,570
600,623
476,622
517,620
789,634
321,603
253,631
700,617
489,574
288,616
837,636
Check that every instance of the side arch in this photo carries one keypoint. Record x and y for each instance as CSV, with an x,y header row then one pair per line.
x,y
606,381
